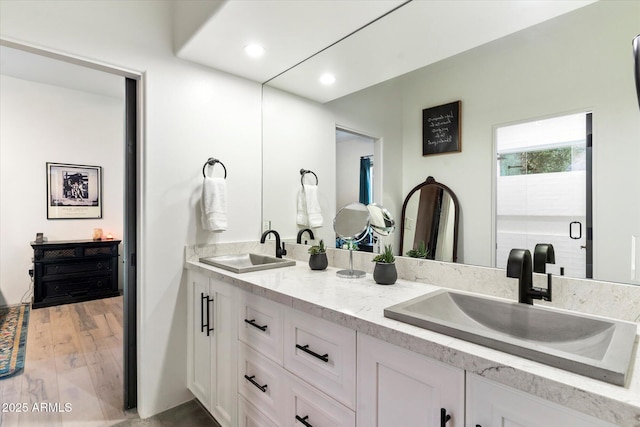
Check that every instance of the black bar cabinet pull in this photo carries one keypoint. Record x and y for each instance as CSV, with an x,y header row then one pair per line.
x,y
209,329
304,420
253,323
305,348
444,417
202,297
263,388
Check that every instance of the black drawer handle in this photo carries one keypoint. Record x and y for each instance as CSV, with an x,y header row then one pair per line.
x,y
304,420
99,265
263,388
305,348
253,323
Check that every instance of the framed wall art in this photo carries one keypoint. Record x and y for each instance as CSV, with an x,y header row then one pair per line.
x,y
74,191
441,129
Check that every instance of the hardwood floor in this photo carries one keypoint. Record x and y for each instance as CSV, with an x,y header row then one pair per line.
x,y
73,372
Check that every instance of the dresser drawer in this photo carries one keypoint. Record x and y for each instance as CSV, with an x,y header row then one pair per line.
x,y
304,404
77,267
76,287
261,382
260,325
249,416
322,353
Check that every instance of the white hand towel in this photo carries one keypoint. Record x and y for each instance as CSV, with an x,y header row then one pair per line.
x,y
301,210
313,206
214,204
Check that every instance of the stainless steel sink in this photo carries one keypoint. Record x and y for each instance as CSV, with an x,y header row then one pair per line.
x,y
245,263
593,346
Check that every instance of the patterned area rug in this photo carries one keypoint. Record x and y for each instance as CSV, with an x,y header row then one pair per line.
x,y
14,322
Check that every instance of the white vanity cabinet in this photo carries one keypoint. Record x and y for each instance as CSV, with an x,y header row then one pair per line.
x,y
293,369
492,404
322,353
397,387
212,346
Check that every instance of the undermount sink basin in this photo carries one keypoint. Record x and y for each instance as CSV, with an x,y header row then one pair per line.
x,y
245,263
596,347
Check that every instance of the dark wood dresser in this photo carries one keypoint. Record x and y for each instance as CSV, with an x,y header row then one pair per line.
x,y
74,271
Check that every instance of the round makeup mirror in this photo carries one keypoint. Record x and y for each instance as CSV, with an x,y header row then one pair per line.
x,y
351,224
380,220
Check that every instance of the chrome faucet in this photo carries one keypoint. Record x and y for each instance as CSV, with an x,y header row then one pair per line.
x,y
301,232
279,251
519,266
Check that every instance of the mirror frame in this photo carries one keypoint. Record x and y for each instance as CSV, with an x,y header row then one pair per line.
x,y
431,181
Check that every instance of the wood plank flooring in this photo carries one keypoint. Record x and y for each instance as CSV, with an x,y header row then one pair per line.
x,y
73,372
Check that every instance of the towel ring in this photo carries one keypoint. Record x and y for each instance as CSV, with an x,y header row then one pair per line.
x,y
211,162
303,172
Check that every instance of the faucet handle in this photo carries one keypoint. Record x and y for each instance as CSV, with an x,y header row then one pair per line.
x,y
282,251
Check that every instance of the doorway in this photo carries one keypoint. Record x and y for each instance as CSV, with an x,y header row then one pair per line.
x,y
129,85
543,190
358,175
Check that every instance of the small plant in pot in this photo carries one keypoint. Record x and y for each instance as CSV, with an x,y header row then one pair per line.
x,y
385,272
318,257
420,252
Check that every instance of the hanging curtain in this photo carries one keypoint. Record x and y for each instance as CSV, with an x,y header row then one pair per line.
x,y
365,180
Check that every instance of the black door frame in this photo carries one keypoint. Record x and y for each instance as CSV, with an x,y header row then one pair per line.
x,y
130,243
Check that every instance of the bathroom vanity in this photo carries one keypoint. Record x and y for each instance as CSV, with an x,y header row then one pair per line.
x,y
293,346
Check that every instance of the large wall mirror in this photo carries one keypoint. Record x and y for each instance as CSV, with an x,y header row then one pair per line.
x,y
580,61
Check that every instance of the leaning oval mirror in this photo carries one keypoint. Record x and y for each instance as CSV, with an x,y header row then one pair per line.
x,y
380,220
352,221
429,226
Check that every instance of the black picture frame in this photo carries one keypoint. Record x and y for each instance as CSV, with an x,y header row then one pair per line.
x,y
441,129
74,191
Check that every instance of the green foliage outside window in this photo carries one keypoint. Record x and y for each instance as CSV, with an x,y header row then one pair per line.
x,y
561,159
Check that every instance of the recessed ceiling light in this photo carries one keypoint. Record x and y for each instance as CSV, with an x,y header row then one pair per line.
x,y
254,50
327,79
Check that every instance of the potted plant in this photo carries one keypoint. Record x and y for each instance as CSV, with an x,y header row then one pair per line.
x,y
420,252
385,272
318,257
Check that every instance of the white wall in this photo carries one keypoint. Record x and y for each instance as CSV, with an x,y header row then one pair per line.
x,y
191,113
42,123
546,70
377,112
298,134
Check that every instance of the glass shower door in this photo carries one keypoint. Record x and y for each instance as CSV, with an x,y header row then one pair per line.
x,y
542,196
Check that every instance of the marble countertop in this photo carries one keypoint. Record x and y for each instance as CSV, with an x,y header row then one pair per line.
x,y
359,303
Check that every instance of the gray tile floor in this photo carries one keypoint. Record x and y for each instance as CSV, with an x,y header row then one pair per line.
x,y
190,414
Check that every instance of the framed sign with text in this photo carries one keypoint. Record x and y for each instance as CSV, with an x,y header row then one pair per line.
x,y
74,191
441,129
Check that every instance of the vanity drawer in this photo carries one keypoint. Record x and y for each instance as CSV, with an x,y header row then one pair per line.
x,y
249,416
321,353
303,402
260,325
261,382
